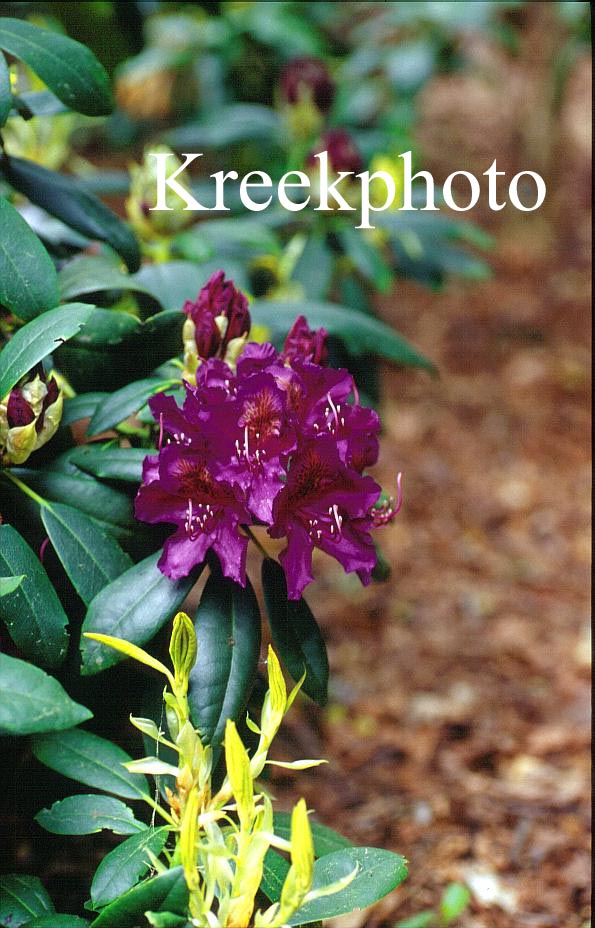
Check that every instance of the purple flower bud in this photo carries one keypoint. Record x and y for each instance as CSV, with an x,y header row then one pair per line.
x,y
307,77
306,344
342,151
218,300
18,410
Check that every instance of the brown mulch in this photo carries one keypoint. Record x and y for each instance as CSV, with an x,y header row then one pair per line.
x,y
458,727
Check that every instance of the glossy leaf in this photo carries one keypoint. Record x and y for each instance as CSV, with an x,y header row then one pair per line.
x,y
134,607
37,339
228,629
122,404
166,892
28,281
81,407
379,872
87,814
274,872
10,584
90,557
5,91
111,463
58,920
123,867
33,613
314,268
326,841
66,199
32,702
173,282
91,274
361,334
109,506
296,636
91,760
70,70
21,899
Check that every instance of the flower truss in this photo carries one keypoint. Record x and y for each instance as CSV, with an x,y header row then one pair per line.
x,y
264,438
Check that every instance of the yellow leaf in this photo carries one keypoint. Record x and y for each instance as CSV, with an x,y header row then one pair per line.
x,y
131,650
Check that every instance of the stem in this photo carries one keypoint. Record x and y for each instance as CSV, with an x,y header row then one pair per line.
x,y
253,538
159,809
27,490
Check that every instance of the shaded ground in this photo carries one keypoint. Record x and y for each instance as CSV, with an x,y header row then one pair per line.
x,y
458,731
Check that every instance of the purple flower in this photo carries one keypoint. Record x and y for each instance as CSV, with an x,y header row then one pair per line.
x,y
306,344
308,78
324,505
182,486
343,153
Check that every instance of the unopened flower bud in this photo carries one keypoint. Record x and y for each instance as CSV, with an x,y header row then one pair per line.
x,y
307,78
343,153
306,344
182,647
151,223
218,323
29,416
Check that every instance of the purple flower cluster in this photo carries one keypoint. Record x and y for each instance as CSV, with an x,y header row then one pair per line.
x,y
281,442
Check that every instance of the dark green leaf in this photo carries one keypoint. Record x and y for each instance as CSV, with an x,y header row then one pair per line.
x,y
10,584
166,892
296,635
228,632
167,920
106,330
91,760
274,872
123,867
33,613
235,122
58,921
32,702
123,403
5,91
173,282
88,814
360,333
28,281
81,407
325,839
111,463
66,199
37,339
134,607
314,268
367,258
379,872
68,68
90,557
21,899
87,274
106,504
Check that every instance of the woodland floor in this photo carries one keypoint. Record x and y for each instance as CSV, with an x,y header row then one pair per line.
x,y
458,729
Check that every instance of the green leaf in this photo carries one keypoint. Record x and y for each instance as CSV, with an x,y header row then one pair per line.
x,y
37,339
166,892
28,280
425,919
87,274
314,268
111,463
455,899
90,557
81,407
10,584
5,91
33,613
296,635
361,334
65,198
228,629
173,282
123,867
274,872
91,760
21,899
32,702
58,921
379,872
134,607
367,258
325,839
88,814
105,504
228,125
122,404
70,70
